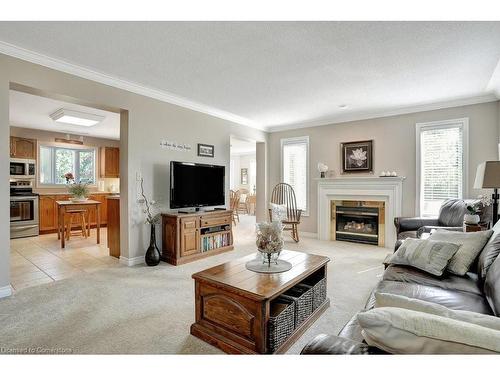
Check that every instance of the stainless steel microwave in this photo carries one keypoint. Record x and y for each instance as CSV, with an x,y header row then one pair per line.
x,y
22,168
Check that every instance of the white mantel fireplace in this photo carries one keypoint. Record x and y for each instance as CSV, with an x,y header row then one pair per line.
x,y
382,189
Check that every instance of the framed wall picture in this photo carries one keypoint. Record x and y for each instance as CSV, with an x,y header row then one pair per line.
x,y
244,176
206,150
357,157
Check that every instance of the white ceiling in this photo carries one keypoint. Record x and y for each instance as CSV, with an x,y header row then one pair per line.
x,y
280,74
32,111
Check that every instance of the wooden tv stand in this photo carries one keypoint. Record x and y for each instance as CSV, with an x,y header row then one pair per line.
x,y
191,236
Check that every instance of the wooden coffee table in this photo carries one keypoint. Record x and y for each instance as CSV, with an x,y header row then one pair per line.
x,y
233,303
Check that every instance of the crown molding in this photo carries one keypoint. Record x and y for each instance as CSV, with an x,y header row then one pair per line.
x,y
494,83
82,72
394,112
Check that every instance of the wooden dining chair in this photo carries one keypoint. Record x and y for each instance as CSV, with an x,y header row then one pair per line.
x,y
283,194
242,204
234,198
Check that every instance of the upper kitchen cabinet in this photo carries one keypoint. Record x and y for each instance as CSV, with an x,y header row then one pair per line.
x,y
110,162
22,148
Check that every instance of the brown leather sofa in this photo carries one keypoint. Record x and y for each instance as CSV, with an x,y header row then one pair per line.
x,y
478,291
450,217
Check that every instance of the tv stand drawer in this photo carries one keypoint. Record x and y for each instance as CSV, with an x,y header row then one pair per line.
x,y
214,221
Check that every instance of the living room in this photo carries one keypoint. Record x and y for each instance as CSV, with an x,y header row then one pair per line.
x,y
298,187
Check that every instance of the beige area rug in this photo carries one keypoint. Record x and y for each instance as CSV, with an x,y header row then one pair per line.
x,y
144,310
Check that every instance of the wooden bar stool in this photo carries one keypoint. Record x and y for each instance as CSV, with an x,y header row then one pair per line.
x,y
83,215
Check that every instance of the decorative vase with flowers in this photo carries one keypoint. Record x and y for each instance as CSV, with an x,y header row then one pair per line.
x,y
152,256
474,209
79,191
270,241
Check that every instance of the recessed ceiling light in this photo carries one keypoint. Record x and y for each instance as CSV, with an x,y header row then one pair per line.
x,y
67,116
343,106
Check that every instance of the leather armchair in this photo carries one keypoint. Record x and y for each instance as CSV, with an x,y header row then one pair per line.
x,y
451,216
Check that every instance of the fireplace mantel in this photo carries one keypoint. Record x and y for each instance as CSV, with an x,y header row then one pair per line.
x,y
385,189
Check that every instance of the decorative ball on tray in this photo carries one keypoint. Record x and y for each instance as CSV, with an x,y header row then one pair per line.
x,y
269,244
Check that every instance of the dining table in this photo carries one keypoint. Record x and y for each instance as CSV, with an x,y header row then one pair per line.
x,y
63,206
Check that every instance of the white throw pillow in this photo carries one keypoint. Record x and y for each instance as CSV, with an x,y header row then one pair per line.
x,y
393,300
470,244
402,331
278,212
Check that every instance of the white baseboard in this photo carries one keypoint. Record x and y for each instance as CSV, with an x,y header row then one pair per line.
x,y
308,234
5,291
132,261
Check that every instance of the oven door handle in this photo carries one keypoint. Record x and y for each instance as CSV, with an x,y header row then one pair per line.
x,y
16,228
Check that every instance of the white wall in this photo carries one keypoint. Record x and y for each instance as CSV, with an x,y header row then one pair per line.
x,y
394,147
149,121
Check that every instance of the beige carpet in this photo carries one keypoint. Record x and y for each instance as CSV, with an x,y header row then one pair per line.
x,y
149,310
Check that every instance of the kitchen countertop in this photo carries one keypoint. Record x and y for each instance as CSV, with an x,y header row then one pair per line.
x,y
66,193
113,196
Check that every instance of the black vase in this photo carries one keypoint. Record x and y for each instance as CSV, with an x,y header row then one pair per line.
x,y
152,256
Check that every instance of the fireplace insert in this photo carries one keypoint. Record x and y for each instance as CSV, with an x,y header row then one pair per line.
x,y
357,224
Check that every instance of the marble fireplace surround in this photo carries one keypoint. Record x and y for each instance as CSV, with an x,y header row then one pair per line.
x,y
385,189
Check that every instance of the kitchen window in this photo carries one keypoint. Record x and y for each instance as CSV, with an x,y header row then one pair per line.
x,y
56,161
442,149
294,168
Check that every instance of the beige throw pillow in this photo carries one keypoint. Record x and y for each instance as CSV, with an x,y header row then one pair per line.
x,y
427,255
470,244
393,300
401,331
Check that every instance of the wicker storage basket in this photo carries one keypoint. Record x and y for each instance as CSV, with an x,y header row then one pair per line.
x,y
281,322
302,295
319,293
317,282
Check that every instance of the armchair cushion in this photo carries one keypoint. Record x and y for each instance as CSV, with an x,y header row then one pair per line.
x,y
429,228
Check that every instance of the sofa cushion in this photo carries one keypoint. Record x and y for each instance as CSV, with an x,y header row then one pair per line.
x,y
470,244
403,331
489,254
453,299
393,300
428,255
492,287
405,274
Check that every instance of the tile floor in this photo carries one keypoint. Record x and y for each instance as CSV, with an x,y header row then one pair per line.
x,y
40,260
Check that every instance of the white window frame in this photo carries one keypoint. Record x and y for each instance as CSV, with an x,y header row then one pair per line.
x,y
71,147
292,140
421,126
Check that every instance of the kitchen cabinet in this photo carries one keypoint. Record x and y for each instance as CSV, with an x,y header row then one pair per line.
x,y
47,209
110,162
113,222
22,148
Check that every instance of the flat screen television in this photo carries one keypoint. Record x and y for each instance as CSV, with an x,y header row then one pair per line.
x,y
196,185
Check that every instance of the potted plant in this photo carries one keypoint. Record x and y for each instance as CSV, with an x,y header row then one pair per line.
x,y
474,209
152,256
79,191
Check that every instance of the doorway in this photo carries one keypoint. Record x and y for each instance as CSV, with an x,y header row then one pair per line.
x,y
61,153
243,183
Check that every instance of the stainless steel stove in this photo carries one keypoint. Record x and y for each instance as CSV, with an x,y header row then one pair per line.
x,y
24,220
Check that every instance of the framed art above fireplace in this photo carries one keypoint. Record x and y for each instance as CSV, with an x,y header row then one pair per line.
x,y
357,157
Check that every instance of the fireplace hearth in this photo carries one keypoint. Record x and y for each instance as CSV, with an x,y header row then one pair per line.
x,y
358,221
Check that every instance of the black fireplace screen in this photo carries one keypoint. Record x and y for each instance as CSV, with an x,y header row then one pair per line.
x,y
357,224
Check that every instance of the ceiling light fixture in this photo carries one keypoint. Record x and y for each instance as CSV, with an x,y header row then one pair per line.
x,y
343,106
67,116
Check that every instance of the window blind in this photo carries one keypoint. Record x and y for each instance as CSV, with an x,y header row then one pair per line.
x,y
441,166
294,164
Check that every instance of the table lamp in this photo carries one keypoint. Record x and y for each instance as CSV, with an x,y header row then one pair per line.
x,y
488,177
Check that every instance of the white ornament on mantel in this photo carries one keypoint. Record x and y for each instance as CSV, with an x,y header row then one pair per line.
x,y
175,146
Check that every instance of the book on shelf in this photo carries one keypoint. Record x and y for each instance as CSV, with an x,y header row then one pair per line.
x,y
216,241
